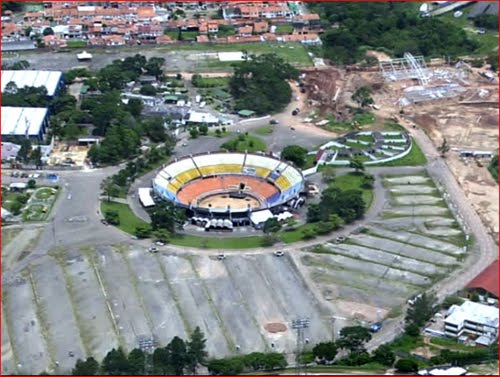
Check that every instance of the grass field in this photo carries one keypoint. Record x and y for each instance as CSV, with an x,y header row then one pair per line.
x,y
415,158
44,193
212,82
76,44
217,242
266,130
249,143
353,181
294,53
128,220
284,29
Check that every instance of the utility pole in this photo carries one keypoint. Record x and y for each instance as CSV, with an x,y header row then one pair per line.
x,y
299,325
333,325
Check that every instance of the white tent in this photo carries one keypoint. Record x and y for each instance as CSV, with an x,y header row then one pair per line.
x,y
145,197
260,217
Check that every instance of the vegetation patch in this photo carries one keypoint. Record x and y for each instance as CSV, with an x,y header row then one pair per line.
x,y
243,143
353,181
263,131
128,220
415,158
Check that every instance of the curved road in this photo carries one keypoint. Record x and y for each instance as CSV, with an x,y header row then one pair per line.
x,y
75,221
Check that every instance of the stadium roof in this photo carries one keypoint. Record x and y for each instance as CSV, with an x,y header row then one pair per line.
x,y
48,79
15,120
487,279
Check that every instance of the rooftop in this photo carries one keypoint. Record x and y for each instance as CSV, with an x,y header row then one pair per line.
x,y
487,279
22,121
48,79
473,312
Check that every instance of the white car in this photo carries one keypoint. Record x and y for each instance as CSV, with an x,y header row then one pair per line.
x,y
279,253
159,243
221,257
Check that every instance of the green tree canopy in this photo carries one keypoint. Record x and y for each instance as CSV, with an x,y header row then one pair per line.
x,y
271,225
353,338
89,367
260,84
406,365
115,362
325,352
295,154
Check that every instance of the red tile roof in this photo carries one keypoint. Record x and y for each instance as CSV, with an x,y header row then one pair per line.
x,y
487,279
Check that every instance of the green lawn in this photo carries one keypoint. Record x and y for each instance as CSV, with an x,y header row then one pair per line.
x,y
212,82
217,242
353,181
393,127
76,44
128,220
284,29
222,134
296,234
452,344
35,212
250,144
266,130
415,158
44,193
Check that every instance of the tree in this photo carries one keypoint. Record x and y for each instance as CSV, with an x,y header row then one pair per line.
x,y
162,235
155,129
112,217
109,188
406,365
268,240
368,181
218,132
115,362
309,233
444,148
362,96
272,225
89,367
295,154
148,90
135,107
203,129
260,84
225,367
196,350
154,66
25,151
325,352
15,208
142,231
422,310
177,355
353,338
384,355
31,184
136,361
48,31
165,216
356,164
193,132
328,174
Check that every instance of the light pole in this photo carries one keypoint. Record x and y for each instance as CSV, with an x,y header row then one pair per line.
x,y
334,318
299,325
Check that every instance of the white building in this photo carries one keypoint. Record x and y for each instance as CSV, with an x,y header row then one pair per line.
x,y
471,318
29,122
51,80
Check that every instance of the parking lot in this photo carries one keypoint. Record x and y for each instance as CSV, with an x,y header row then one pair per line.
x,y
85,302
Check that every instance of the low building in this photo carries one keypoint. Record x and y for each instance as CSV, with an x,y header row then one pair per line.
x,y
10,151
202,118
471,318
443,371
18,186
29,122
51,80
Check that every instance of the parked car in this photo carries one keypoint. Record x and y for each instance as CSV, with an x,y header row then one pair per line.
x,y
159,243
104,222
153,249
279,253
221,257
375,327
273,121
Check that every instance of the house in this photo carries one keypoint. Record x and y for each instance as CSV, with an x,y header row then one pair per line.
x,y
471,318
245,31
260,27
54,41
249,12
307,39
213,27
164,39
202,39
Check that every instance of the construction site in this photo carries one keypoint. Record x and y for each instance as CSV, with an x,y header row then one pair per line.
x,y
456,103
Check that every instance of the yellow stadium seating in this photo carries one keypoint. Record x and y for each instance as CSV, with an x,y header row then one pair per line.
x,y
187,176
262,172
220,169
283,183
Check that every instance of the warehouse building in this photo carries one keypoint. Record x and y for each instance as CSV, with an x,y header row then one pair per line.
x,y
30,122
51,80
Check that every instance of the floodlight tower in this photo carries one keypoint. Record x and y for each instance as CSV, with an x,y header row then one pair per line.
x,y
299,325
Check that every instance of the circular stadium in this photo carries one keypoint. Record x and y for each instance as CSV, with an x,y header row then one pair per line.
x,y
229,186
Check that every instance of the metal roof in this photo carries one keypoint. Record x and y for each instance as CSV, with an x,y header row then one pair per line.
x,y
21,121
487,279
48,79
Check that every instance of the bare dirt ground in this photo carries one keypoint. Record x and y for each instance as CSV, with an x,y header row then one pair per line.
x,y
65,153
467,122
